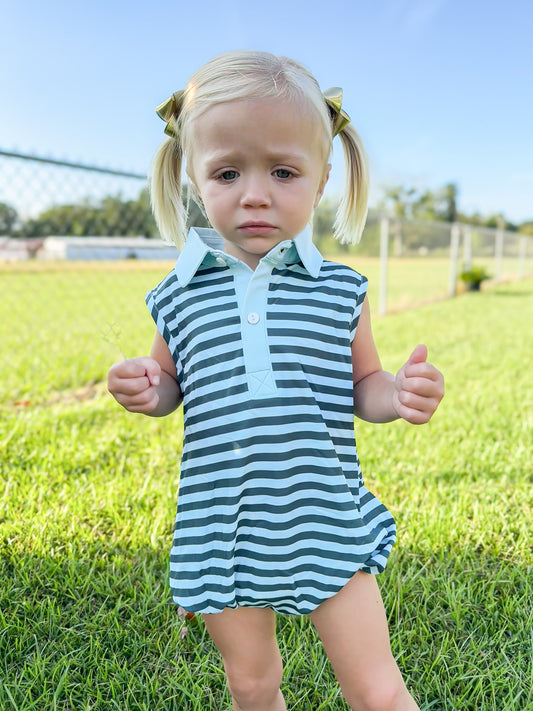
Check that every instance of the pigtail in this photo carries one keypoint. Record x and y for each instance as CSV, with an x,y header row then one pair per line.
x,y
165,190
353,207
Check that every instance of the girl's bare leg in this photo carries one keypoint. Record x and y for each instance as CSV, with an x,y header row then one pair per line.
x,y
353,628
246,639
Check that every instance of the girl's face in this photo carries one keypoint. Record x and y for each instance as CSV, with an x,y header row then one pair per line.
x,y
260,168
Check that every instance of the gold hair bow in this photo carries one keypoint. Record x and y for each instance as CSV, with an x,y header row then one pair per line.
x,y
340,118
169,111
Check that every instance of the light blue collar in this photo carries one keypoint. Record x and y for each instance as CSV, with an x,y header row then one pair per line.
x,y
202,241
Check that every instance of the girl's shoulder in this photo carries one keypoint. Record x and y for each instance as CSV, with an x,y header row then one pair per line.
x,y
164,293
342,272
170,281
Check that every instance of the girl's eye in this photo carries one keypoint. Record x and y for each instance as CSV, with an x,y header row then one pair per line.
x,y
282,173
228,175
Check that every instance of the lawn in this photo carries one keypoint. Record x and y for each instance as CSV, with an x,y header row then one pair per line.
x,y
64,323
89,495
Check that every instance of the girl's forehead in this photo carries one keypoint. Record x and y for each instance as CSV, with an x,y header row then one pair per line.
x,y
272,105
261,116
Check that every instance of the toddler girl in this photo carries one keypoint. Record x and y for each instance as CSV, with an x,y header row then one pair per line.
x,y
270,348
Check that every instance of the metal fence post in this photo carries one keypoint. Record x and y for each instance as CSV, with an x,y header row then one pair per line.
x,y
455,237
522,254
467,247
498,255
383,260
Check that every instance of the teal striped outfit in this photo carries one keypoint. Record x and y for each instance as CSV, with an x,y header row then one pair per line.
x,y
272,509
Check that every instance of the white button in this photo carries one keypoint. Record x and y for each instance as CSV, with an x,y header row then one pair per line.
x,y
253,317
221,260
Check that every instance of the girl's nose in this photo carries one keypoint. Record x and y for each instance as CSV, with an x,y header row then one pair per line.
x,y
255,192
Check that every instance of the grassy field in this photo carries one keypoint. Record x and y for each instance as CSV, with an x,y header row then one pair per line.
x,y
69,321
66,322
86,620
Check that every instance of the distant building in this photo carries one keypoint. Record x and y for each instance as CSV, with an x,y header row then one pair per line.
x,y
105,249
19,250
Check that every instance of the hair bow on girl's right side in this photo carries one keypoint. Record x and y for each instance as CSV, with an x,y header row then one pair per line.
x,y
169,111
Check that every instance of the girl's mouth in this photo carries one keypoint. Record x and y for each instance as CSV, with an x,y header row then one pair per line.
x,y
257,228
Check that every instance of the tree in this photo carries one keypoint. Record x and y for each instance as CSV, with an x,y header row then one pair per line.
x,y
112,215
399,200
526,228
323,219
8,219
431,205
496,221
449,208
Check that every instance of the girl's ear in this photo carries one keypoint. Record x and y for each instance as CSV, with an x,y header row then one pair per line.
x,y
322,185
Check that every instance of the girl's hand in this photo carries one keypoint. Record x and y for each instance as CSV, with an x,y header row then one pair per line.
x,y
419,387
133,383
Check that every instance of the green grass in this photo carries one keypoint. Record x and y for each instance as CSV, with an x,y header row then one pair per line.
x,y
62,324
86,619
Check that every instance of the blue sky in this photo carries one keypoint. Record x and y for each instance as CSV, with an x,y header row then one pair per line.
x,y
440,90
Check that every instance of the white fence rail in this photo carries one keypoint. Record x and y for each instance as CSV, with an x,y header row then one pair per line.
x,y
504,255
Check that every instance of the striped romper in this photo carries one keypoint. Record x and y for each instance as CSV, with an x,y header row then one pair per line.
x,y
272,508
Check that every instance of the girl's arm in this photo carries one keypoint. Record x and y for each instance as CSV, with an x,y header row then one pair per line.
x,y
148,385
412,394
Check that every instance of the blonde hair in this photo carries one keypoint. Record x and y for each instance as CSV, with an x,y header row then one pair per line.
x,y
253,75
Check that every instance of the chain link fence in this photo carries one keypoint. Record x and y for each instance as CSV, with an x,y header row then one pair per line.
x,y
79,248
42,196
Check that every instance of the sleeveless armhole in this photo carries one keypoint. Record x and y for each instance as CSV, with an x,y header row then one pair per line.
x,y
361,290
160,303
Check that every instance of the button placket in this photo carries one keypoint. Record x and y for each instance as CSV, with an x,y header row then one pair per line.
x,y
257,361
